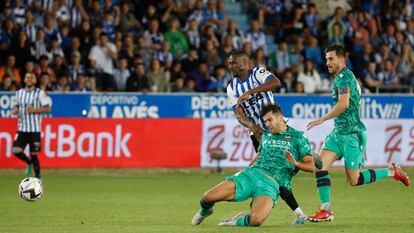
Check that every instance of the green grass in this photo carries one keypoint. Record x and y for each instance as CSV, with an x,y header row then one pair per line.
x,y
167,202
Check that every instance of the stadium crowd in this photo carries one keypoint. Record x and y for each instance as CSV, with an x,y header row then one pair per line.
x,y
183,45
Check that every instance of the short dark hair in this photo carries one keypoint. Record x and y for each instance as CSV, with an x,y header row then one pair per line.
x,y
239,53
273,108
339,50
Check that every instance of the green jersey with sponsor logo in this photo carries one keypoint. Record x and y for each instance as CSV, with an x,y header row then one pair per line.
x,y
349,121
272,154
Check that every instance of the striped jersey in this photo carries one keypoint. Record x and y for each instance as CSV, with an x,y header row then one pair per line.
x,y
30,122
252,106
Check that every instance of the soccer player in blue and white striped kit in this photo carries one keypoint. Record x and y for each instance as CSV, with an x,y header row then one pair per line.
x,y
31,104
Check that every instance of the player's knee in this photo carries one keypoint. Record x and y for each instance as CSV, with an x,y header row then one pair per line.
x,y
208,197
255,220
17,150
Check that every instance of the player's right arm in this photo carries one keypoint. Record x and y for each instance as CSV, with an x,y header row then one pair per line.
x,y
240,116
15,109
254,159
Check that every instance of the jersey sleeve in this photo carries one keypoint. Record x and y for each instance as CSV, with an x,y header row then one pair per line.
x,y
232,98
263,75
305,148
44,100
343,85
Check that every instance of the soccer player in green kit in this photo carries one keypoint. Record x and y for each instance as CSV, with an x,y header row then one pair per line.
x,y
348,138
281,149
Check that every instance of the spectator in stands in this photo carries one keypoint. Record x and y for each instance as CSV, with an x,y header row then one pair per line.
x,y
108,26
310,78
405,65
122,74
370,77
29,26
361,34
256,36
191,60
270,13
50,30
280,59
373,7
153,38
138,81
176,38
59,65
298,87
197,12
260,59
178,85
297,24
237,35
247,48
39,48
44,66
7,83
409,33
226,48
102,56
78,14
287,81
128,50
63,85
314,53
399,37
221,79
388,75
361,60
201,77
210,54
212,16
128,22
388,38
149,15
312,19
164,55
7,35
158,77
76,68
383,54
143,52
80,85
336,32
44,82
209,34
114,10
193,33
10,69
54,49
190,86
84,34
18,12
177,72
62,12
21,49
95,13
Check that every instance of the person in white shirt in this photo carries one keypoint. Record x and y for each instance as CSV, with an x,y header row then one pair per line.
x,y
101,57
310,78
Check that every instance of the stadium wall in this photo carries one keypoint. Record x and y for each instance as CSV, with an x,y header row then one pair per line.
x,y
188,139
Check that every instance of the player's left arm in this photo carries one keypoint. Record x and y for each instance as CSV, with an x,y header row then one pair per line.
x,y
306,164
44,102
344,94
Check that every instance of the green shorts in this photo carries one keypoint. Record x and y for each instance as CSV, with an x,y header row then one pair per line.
x,y
251,182
349,146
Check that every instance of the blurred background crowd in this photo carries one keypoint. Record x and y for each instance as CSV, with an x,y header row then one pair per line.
x,y
183,45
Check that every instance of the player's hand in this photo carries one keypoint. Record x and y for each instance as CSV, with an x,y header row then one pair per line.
x,y
257,132
30,109
243,97
314,123
290,158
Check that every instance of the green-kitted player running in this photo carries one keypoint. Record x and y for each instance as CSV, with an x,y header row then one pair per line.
x,y
348,138
281,149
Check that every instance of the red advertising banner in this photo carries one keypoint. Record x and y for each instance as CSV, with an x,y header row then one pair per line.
x,y
75,142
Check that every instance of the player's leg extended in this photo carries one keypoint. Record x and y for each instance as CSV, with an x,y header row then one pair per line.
x,y
260,210
34,150
20,143
354,158
224,191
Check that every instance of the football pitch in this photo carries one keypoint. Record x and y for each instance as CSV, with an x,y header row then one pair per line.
x,y
120,201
